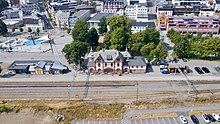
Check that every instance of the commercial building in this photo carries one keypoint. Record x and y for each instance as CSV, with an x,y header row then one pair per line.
x,y
113,5
12,13
33,23
197,10
192,24
61,19
92,9
192,2
132,11
217,5
114,61
37,67
13,2
80,15
132,2
28,8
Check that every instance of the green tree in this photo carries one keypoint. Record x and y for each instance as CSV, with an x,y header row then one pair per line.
x,y
136,42
38,31
147,49
13,29
29,30
80,31
102,25
211,47
3,5
68,31
181,47
75,51
123,22
118,39
93,37
153,35
160,52
3,28
107,38
21,29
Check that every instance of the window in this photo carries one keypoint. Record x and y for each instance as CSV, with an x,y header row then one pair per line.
x,y
136,66
132,66
111,64
99,64
141,66
105,64
118,64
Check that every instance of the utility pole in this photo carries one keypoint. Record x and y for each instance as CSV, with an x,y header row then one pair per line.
x,y
69,92
137,92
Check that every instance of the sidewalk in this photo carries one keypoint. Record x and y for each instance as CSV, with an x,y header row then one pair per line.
x,y
108,78
186,109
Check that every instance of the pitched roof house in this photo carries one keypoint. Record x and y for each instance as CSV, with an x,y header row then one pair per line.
x,y
113,61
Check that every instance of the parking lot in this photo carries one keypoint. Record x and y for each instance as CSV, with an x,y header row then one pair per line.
x,y
172,120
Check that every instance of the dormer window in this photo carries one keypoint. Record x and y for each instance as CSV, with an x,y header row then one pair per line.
x,y
109,57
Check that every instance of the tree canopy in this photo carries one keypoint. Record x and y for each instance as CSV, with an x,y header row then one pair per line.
x,y
160,52
102,25
199,46
80,31
75,51
93,37
3,5
3,28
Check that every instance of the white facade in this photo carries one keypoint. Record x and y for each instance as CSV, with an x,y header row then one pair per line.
x,y
166,12
206,13
135,29
62,19
217,7
133,11
129,2
190,2
34,27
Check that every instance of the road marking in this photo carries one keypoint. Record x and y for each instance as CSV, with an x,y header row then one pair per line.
x,y
142,121
175,120
158,121
163,121
169,120
146,121
152,121
135,121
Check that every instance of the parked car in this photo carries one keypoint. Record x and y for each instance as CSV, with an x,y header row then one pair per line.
x,y
205,118
183,119
165,71
184,59
211,118
205,69
217,68
199,70
216,116
194,119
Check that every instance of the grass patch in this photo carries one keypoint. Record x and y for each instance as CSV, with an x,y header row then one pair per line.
x,y
157,115
3,109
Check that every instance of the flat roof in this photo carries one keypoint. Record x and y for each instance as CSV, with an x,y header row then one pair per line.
x,y
99,15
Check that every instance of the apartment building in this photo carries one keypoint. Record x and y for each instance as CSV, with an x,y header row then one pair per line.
x,y
192,24
132,11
